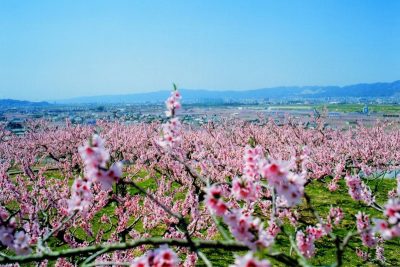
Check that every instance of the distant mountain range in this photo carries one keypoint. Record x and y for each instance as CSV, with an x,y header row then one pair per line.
x,y
362,90
11,103
391,89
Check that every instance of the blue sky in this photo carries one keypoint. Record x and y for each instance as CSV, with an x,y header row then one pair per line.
x,y
60,49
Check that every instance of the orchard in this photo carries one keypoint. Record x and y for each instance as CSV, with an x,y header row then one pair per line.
x,y
232,193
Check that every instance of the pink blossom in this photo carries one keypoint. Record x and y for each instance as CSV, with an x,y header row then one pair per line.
x,y
95,157
274,172
214,201
362,254
93,153
171,134
21,243
18,241
6,235
392,211
305,244
249,260
289,186
379,254
335,215
364,229
244,189
173,103
247,229
358,190
161,257
390,227
317,231
252,158
190,260
81,196
164,257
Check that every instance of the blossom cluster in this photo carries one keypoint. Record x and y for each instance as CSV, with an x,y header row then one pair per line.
x,y
358,190
173,103
18,241
161,257
247,187
244,227
249,260
171,130
363,227
390,227
95,158
305,241
288,185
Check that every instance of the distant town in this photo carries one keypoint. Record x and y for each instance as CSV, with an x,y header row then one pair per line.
x,y
337,112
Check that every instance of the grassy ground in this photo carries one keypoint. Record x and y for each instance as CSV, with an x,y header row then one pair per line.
x,y
389,109
359,108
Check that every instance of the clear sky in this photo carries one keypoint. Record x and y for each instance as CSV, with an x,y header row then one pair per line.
x,y
60,49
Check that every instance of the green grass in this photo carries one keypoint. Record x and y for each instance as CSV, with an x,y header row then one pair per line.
x,y
345,108
359,107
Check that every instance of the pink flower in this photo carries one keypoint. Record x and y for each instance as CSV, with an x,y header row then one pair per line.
x,y
274,172
362,254
358,190
81,196
379,250
249,260
288,185
245,190
335,215
305,244
17,241
191,260
6,235
214,201
161,257
382,227
248,230
392,211
364,229
95,157
173,103
165,257
93,153
140,262
171,134
386,230
317,232
21,243
108,178
252,158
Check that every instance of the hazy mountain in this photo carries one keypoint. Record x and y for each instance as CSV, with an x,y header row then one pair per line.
x,y
10,103
200,95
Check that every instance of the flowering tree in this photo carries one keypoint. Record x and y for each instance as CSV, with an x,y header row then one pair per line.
x,y
163,195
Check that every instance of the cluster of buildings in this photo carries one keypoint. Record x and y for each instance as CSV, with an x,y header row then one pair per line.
x,y
15,118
